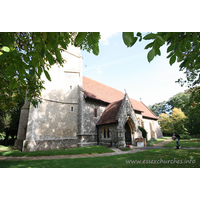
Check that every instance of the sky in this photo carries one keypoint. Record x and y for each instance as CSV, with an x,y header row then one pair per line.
x,y
128,69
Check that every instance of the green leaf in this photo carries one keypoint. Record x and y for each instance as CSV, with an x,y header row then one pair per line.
x,y
96,35
170,48
176,46
128,38
150,36
47,75
12,84
39,71
10,68
95,49
194,36
25,48
91,40
149,45
188,45
41,61
58,55
33,53
15,53
34,61
139,34
157,51
6,49
31,72
172,60
180,58
181,66
44,36
172,53
133,42
151,55
50,58
80,37
63,45
42,53
4,55
160,40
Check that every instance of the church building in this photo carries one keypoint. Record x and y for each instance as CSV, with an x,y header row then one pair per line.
x,y
77,111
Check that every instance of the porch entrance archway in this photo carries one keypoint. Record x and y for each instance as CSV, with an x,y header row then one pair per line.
x,y
129,131
127,134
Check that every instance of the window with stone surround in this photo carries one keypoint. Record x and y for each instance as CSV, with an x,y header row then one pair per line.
x,y
72,109
108,133
95,112
105,132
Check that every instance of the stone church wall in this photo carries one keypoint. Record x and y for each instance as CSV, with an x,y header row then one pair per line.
x,y
126,111
153,129
88,134
51,121
90,120
112,132
55,121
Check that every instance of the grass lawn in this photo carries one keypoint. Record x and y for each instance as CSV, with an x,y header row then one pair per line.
x,y
5,148
184,143
152,142
153,158
7,151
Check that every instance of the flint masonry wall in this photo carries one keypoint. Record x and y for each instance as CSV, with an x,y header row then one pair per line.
x,y
126,111
112,132
54,124
88,134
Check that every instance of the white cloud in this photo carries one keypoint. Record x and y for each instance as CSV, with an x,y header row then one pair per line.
x,y
105,36
99,71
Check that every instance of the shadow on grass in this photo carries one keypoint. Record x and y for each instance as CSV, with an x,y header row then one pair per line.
x,y
168,158
72,151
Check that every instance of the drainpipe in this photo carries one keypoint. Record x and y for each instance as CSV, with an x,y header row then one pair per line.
x,y
97,136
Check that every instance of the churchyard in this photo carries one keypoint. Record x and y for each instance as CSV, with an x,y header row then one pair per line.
x,y
151,158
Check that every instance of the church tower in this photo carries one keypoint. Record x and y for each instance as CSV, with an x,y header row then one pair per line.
x,y
54,123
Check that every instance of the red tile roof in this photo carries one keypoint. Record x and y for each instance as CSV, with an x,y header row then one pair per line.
x,y
99,91
110,113
147,112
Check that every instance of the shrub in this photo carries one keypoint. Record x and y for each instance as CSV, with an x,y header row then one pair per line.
x,y
144,132
185,136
